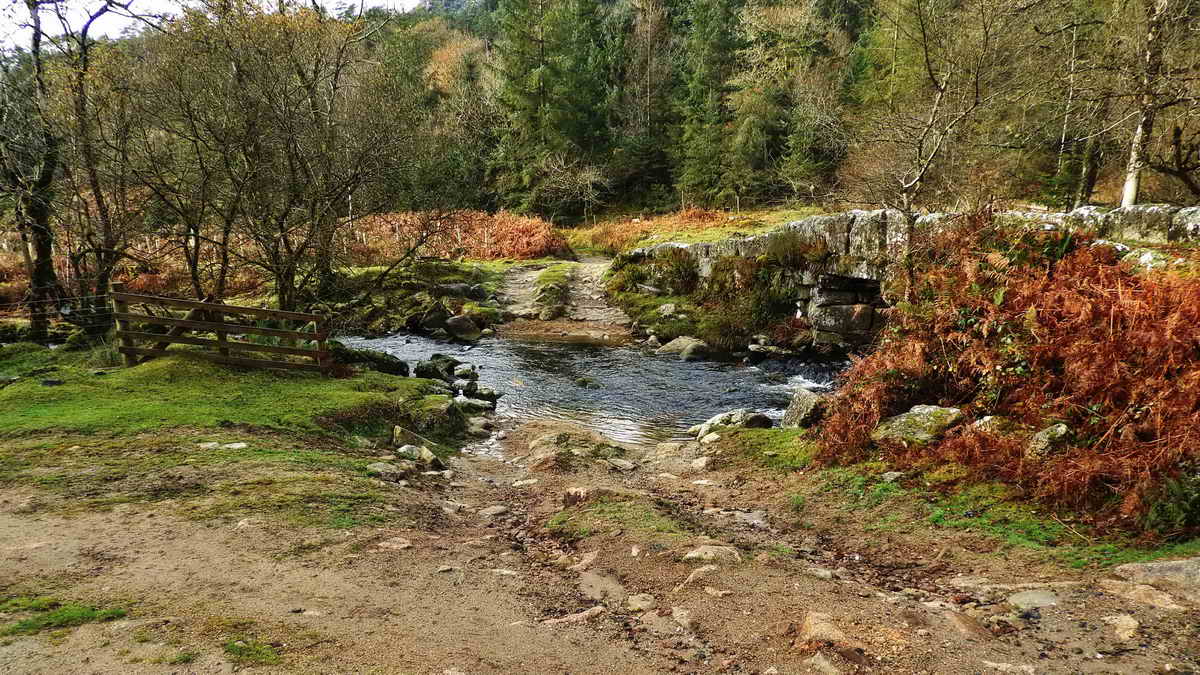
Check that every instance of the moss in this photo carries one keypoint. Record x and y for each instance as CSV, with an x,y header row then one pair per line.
x,y
606,515
553,289
49,613
251,652
782,449
184,390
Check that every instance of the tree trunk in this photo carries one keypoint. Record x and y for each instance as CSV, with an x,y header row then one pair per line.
x,y
1137,158
1088,172
1156,12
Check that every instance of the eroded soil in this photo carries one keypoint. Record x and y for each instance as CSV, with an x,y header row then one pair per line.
x,y
440,587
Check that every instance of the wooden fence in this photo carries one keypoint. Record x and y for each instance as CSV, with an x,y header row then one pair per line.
x,y
209,317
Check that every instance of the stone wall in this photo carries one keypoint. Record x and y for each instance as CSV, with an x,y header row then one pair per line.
x,y
839,293
1151,223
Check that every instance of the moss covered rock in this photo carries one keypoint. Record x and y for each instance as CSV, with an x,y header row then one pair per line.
x,y
922,425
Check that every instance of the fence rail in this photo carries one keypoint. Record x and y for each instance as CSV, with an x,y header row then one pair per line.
x,y
210,318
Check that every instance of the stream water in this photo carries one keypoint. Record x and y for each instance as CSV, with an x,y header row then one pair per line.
x,y
632,396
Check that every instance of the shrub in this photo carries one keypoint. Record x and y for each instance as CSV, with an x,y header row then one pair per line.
x,y
1038,327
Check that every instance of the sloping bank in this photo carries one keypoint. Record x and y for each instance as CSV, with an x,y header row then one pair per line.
x,y
1030,352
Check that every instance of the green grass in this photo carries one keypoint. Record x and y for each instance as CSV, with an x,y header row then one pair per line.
x,y
643,309
776,448
182,658
606,515
251,652
944,498
553,285
49,613
186,391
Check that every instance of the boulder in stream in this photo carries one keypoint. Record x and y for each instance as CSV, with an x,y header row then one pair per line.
x,y
463,328
806,409
678,345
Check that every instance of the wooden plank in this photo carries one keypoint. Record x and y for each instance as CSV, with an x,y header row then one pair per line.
x,y
178,330
252,363
213,326
230,345
133,298
122,326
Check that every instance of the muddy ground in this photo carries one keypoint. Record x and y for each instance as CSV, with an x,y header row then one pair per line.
x,y
585,570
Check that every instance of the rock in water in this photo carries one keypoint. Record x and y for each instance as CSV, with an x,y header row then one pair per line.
x,y
463,328
694,352
677,345
921,425
806,409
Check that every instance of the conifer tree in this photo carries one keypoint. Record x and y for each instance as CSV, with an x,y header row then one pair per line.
x,y
708,62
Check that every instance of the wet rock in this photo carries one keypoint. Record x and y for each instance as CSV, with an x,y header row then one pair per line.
x,y
641,602
652,342
806,409
369,358
488,394
465,371
578,617
463,328
465,387
438,367
679,344
694,352
1047,440
1142,593
473,404
921,425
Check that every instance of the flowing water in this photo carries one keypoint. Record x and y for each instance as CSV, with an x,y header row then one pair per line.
x,y
629,394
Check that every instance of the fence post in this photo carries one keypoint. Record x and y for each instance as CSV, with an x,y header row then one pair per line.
x,y
222,336
322,354
120,307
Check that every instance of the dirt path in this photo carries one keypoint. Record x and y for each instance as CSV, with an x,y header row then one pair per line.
x,y
584,570
587,314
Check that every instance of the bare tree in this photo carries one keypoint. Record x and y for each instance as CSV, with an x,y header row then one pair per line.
x,y
29,159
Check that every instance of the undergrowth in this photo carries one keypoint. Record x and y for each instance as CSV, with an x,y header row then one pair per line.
x,y
1042,327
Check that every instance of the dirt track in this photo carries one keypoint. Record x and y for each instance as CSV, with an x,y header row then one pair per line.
x,y
470,594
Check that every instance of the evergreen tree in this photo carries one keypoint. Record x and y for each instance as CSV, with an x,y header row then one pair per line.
x,y
708,61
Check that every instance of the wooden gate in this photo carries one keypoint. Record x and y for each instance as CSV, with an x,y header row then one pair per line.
x,y
230,345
